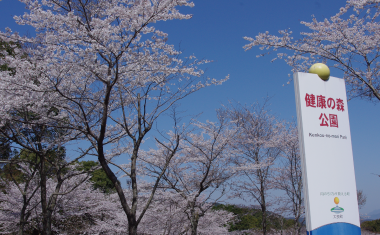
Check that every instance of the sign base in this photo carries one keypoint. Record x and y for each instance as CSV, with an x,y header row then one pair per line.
x,y
336,228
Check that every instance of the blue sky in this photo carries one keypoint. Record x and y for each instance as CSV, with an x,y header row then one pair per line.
x,y
216,33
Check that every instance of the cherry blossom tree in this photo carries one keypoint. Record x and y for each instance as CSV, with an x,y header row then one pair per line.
x,y
77,208
42,151
362,198
38,160
348,41
108,72
6,49
200,172
166,215
31,124
287,177
82,209
169,215
257,146
18,200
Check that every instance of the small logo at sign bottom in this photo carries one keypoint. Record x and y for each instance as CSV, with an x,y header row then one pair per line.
x,y
337,209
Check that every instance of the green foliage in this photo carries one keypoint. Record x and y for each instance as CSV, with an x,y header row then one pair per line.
x,y
373,225
5,149
278,222
99,177
7,49
250,218
246,218
11,171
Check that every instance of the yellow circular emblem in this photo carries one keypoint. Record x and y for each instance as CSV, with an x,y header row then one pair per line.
x,y
321,70
336,200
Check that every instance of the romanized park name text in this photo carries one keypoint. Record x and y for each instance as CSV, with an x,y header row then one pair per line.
x,y
343,137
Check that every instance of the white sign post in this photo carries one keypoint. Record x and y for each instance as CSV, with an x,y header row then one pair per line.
x,y
326,152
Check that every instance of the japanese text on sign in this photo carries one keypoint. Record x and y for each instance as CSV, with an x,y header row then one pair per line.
x,y
320,101
335,194
332,119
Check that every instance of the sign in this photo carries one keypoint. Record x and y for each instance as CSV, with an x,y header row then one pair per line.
x,y
326,154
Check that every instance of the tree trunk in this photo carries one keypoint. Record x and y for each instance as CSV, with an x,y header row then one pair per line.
x,y
50,208
46,229
22,220
23,216
132,230
194,223
264,220
263,204
132,226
